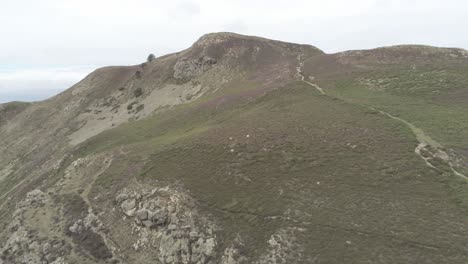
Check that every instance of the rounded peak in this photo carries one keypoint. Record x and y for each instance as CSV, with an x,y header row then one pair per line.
x,y
216,38
219,37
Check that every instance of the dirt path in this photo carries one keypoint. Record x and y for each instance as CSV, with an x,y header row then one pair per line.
x,y
301,76
426,145
84,181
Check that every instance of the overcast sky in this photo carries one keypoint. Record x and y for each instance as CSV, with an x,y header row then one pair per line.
x,y
48,45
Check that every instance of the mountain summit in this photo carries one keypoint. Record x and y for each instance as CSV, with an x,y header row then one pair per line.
x,y
242,149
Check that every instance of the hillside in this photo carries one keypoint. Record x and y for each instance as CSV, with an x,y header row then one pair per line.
x,y
242,149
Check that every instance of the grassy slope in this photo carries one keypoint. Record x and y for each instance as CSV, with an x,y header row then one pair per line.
x,y
423,85
425,97
373,190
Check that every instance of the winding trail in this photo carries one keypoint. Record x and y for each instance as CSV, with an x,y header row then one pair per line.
x,y
72,184
431,147
301,76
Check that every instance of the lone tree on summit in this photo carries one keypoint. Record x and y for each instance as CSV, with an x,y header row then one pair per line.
x,y
151,58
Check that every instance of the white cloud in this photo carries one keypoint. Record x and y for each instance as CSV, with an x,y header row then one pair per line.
x,y
47,33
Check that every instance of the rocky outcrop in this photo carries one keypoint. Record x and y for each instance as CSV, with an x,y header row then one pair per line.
x,y
90,222
85,229
187,68
283,247
234,254
163,220
25,245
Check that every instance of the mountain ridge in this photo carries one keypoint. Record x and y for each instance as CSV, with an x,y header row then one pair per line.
x,y
243,150
223,36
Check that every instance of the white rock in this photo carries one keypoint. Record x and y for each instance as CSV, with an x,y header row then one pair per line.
x,y
128,205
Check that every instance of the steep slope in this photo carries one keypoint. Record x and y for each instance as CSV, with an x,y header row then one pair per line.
x,y
243,150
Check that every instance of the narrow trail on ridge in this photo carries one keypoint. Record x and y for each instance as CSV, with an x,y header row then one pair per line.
x,y
427,148
301,75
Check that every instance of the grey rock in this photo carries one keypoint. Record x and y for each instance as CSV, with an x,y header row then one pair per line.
x,y
142,214
31,258
184,68
128,205
34,246
46,248
76,228
121,197
159,217
174,248
148,223
49,257
204,247
35,198
177,247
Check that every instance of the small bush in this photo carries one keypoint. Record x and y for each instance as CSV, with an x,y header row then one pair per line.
x,y
138,74
151,58
138,92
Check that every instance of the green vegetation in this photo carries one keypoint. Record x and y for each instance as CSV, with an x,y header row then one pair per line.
x,y
425,97
246,165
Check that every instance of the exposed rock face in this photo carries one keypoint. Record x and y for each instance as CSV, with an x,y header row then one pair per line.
x,y
188,68
185,246
25,245
129,206
235,254
164,221
283,248
90,222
